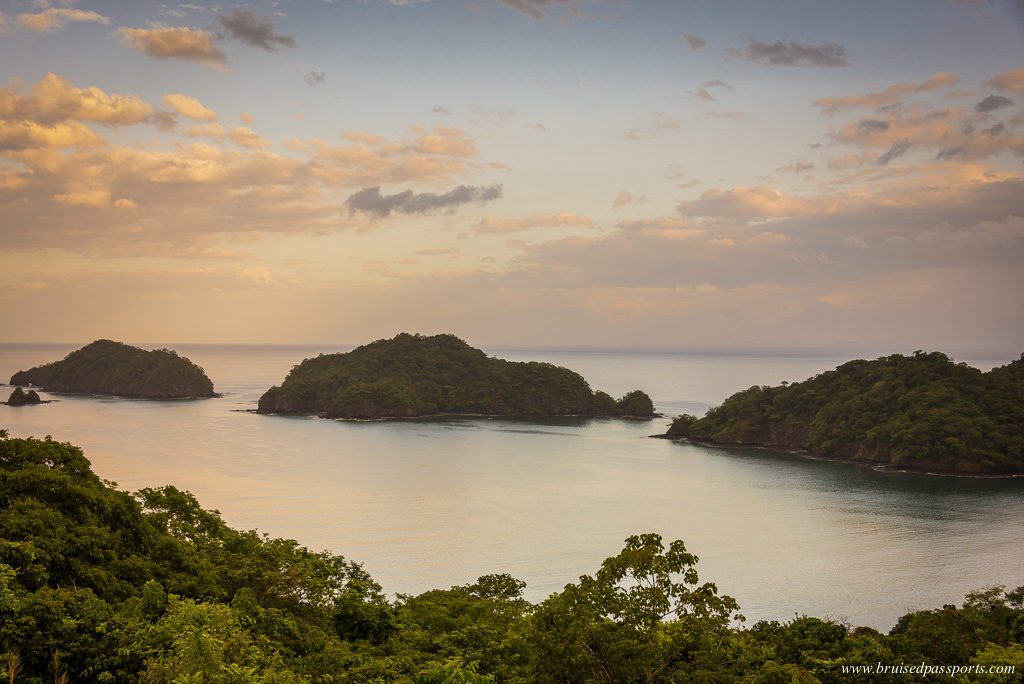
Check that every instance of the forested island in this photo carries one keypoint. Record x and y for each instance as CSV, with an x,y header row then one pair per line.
x,y
919,413
101,585
118,369
417,375
20,397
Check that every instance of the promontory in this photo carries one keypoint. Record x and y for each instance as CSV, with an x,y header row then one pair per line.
x,y
417,375
920,413
118,369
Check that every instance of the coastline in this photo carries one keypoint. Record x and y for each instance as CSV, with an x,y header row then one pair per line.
x,y
101,395
835,459
452,415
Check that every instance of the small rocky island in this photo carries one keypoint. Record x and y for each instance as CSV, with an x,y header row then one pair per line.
x,y
417,375
20,397
118,369
920,413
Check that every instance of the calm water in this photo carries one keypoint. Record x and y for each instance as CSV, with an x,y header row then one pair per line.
x,y
433,503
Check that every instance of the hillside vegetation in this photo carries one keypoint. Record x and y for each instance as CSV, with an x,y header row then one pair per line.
x,y
416,375
115,368
99,585
921,412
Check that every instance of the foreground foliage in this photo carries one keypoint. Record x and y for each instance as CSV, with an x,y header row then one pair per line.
x,y
416,375
100,585
115,368
920,412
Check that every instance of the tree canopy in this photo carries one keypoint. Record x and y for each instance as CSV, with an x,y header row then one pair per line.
x,y
920,412
416,375
101,585
118,369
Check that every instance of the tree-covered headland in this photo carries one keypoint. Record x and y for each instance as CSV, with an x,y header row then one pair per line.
x,y
921,412
118,369
417,375
100,585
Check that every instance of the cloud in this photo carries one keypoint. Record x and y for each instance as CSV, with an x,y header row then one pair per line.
x,y
54,100
898,149
951,195
444,140
492,224
483,116
117,199
315,77
63,185
996,130
992,103
663,225
694,42
363,137
905,251
656,124
891,95
665,122
758,236
189,107
703,94
748,202
21,135
799,166
430,156
1009,81
184,43
626,198
371,201
795,54
716,83
254,29
442,110
437,251
51,112
955,133
872,126
530,305
56,18
181,10
239,135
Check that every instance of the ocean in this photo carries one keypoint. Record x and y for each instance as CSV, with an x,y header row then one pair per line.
x,y
432,503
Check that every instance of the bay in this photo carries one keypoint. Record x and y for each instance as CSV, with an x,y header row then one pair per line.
x,y
437,502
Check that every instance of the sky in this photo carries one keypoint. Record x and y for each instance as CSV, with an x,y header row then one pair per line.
x,y
590,173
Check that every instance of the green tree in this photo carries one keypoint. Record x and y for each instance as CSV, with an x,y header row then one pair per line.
x,y
642,617
415,375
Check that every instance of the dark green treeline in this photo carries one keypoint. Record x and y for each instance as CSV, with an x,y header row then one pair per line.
x,y
416,375
99,585
922,412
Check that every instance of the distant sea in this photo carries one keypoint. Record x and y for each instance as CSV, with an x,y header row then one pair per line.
x,y
438,502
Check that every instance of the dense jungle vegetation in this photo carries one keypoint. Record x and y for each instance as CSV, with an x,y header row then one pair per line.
x,y
416,375
99,585
921,412
115,368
